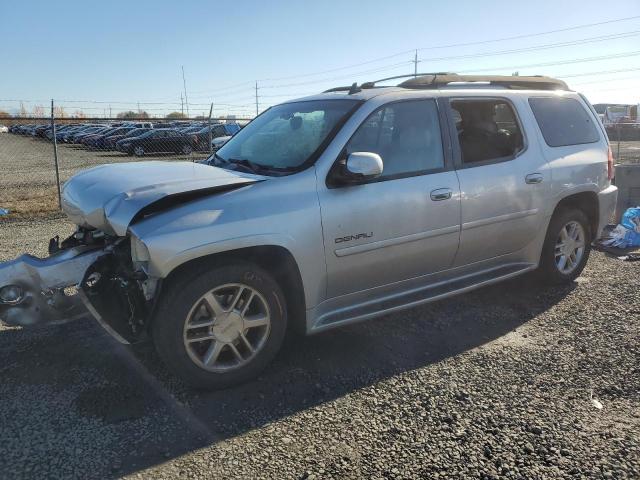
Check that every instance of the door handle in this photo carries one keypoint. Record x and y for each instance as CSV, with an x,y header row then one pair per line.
x,y
441,194
534,178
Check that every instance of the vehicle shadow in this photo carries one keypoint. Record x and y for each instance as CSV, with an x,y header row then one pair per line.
x,y
67,389
316,369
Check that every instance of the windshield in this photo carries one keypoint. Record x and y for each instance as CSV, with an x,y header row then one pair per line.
x,y
287,136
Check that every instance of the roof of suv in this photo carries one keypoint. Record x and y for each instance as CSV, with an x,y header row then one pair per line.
x,y
444,81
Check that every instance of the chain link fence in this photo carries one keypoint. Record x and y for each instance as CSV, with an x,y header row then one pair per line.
x,y
31,174
34,163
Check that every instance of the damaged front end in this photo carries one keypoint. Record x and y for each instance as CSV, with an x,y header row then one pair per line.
x,y
89,272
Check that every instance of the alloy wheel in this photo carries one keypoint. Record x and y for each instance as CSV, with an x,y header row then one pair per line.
x,y
227,327
569,247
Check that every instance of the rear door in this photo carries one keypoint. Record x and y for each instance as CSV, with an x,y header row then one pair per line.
x,y
404,224
504,178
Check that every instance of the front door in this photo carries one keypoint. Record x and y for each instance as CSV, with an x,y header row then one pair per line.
x,y
503,180
405,223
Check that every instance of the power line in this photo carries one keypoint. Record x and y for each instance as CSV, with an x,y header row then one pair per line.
x,y
563,62
601,72
571,43
351,75
415,61
609,80
453,45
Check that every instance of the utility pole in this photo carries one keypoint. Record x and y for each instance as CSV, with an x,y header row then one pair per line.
x,y
415,64
55,155
110,112
182,105
184,84
256,98
209,123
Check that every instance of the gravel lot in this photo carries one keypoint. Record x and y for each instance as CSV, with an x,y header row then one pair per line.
x,y
493,384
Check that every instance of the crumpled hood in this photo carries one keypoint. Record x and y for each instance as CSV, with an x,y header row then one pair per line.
x,y
109,197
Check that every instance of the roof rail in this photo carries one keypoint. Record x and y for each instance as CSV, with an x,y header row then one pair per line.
x,y
536,82
442,79
352,89
417,75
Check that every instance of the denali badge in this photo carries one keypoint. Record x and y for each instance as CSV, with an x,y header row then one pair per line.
x,y
358,236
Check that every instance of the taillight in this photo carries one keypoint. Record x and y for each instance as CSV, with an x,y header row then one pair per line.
x,y
610,168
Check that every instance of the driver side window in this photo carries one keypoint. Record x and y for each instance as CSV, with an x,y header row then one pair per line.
x,y
406,135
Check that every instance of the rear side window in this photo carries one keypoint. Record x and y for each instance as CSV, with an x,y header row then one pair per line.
x,y
488,130
563,121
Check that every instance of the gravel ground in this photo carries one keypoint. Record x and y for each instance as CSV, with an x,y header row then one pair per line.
x,y
499,383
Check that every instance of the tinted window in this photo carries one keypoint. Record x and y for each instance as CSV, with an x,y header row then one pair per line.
x,y
406,135
563,121
488,130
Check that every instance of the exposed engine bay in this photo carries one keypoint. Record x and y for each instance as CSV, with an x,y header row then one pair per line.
x,y
88,272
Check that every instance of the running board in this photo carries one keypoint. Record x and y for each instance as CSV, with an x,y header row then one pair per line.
x,y
418,296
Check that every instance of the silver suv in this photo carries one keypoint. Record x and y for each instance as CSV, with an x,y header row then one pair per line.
x,y
325,211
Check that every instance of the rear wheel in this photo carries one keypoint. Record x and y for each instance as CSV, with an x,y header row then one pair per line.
x,y
566,248
138,151
220,327
187,149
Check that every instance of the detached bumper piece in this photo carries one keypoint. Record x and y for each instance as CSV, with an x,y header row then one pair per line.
x,y
42,290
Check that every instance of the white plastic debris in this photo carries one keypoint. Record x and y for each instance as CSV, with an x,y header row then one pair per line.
x,y
594,401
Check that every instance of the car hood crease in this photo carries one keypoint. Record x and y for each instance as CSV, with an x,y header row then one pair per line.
x,y
110,197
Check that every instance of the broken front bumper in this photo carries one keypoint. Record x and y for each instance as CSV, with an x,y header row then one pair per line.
x,y
41,290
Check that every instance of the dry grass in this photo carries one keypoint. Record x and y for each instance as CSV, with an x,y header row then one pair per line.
x,y
28,178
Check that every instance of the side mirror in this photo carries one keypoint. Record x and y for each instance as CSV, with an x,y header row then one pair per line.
x,y
362,166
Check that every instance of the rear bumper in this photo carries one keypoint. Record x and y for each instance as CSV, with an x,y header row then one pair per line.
x,y
607,204
44,285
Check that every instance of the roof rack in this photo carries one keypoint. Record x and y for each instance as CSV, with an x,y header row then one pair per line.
x,y
535,82
417,75
352,89
443,79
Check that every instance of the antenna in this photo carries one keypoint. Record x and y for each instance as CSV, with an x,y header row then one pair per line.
x,y
415,64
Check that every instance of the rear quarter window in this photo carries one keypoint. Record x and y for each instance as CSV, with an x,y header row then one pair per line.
x,y
563,121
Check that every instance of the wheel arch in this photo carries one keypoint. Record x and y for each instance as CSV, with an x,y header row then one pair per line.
x,y
587,202
275,259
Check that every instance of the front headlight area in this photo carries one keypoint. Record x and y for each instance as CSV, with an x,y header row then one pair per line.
x,y
139,254
140,259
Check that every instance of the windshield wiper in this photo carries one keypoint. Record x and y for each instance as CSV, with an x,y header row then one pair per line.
x,y
245,163
250,166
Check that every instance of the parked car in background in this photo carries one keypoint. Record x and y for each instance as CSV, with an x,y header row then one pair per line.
x,y
99,141
201,137
218,142
161,140
111,140
4,129
77,138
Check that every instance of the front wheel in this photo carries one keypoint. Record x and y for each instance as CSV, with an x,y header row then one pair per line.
x,y
187,150
138,151
220,327
566,247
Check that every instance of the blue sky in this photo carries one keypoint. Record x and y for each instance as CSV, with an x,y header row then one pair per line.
x,y
81,52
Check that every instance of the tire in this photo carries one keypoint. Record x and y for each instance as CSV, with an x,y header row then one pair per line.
x,y
188,301
138,151
187,150
550,270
